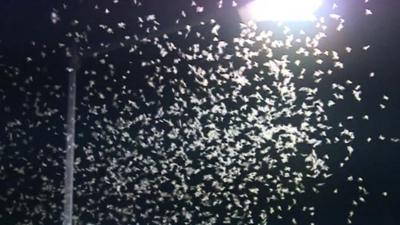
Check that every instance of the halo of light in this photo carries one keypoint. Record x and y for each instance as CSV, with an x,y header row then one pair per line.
x,y
281,10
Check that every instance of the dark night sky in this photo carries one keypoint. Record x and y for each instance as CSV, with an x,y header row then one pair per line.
x,y
37,144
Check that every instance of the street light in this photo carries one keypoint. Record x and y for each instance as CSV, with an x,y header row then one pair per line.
x,y
280,10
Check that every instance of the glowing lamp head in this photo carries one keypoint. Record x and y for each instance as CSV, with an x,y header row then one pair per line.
x,y
280,10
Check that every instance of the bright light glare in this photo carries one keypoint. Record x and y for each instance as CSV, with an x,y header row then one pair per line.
x,y
282,10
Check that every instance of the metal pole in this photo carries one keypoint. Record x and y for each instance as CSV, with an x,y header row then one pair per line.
x,y
70,142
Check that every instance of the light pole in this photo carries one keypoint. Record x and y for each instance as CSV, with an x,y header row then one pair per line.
x,y
74,66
